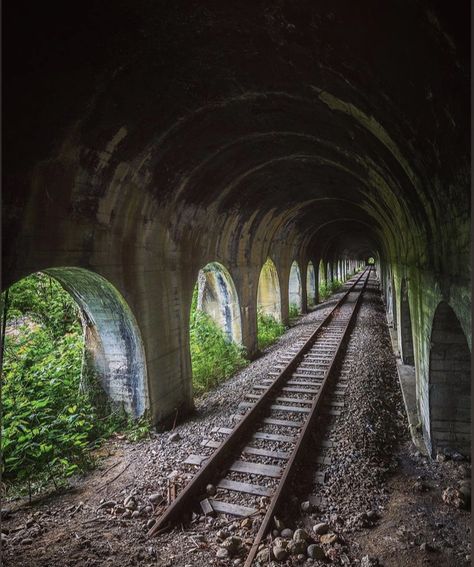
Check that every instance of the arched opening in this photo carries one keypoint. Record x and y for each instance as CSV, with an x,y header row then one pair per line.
x,y
269,326
73,368
450,383
311,285
321,274
295,297
408,356
218,298
215,328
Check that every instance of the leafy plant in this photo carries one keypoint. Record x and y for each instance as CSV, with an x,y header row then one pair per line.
x,y
327,289
268,329
293,310
213,356
50,421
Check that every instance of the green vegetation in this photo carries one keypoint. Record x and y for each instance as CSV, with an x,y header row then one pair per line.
x,y
293,310
268,329
50,421
326,290
213,356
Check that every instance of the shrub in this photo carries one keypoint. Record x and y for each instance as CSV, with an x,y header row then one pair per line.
x,y
50,423
326,290
268,329
293,310
213,356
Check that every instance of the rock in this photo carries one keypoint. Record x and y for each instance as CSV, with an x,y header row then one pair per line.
x,y
263,556
321,528
367,561
453,497
237,561
328,538
232,544
174,437
280,542
305,506
275,533
372,515
4,538
222,534
300,535
150,524
155,498
222,553
316,552
246,524
26,541
211,490
287,533
279,525
296,547
127,514
135,514
280,553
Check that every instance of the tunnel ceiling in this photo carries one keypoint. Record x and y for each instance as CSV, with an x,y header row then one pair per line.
x,y
304,118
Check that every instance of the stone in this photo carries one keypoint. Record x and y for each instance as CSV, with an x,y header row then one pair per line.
x,y
26,541
222,534
232,544
305,506
316,552
211,490
453,497
246,524
222,553
367,561
300,535
127,514
150,524
275,533
135,514
296,547
321,528
174,437
279,525
280,542
237,561
155,498
280,553
287,533
263,556
328,539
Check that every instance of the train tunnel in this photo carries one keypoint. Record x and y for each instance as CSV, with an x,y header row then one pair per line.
x,y
144,141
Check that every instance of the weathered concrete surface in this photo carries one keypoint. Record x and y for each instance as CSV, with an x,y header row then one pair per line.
x,y
145,140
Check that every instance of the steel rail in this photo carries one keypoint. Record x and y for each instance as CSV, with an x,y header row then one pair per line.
x,y
304,435
225,452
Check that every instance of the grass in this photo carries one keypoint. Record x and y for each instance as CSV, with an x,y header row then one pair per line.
x,y
213,356
326,290
293,310
268,329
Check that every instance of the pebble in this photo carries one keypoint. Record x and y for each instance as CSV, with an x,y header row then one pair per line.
x,y
328,538
296,547
174,437
231,544
263,556
150,524
155,498
279,525
211,490
321,528
300,535
305,506
26,541
222,553
280,553
367,561
287,533
316,552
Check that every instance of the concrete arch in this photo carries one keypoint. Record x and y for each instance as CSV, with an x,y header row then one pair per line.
x,y
217,296
295,294
311,288
268,295
113,346
450,383
406,333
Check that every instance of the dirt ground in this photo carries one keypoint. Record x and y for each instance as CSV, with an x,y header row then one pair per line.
x,y
104,517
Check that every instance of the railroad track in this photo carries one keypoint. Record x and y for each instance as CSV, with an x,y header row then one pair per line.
x,y
273,427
